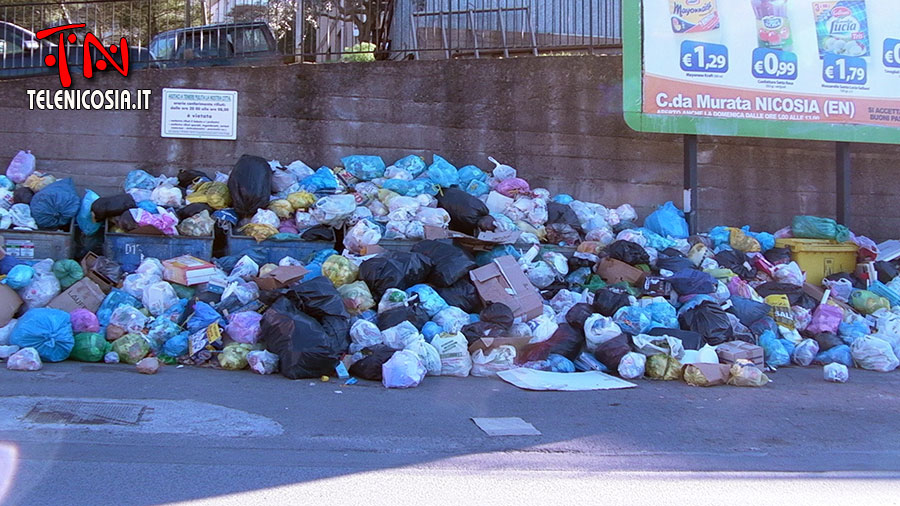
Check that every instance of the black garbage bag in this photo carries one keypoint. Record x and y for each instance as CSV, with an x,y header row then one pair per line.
x,y
674,264
318,298
188,177
562,214
611,352
465,210
399,270
369,367
692,281
795,294
859,284
886,271
576,263
748,311
777,256
250,185
111,207
22,195
463,295
413,314
257,254
194,209
338,329
566,341
304,348
738,263
318,233
55,206
628,252
498,314
451,263
710,321
607,302
560,233
578,314
477,330
827,340
763,324
690,339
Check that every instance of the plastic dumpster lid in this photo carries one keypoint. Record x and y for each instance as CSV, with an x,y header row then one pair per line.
x,y
888,250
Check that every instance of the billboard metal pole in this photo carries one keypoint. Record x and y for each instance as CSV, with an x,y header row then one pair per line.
x,y
690,182
842,188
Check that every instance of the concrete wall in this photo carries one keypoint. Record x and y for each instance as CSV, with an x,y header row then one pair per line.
x,y
557,119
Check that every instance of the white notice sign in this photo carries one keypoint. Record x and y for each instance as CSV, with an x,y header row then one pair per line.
x,y
199,114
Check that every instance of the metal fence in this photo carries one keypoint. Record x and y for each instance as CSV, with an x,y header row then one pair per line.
x,y
226,32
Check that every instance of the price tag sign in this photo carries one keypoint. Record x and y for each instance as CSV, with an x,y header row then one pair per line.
x,y
892,53
704,57
844,70
772,64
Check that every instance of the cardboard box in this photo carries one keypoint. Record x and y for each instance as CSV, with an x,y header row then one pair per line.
x,y
489,343
733,351
83,294
87,265
716,374
818,292
10,302
188,270
615,271
280,277
504,281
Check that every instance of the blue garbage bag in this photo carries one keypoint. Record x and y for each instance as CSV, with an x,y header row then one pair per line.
x,y
84,219
563,198
114,299
176,311
176,346
429,300
443,173
748,311
149,206
49,331
228,215
139,179
413,164
364,167
663,315
161,330
257,254
720,236
477,188
486,257
654,240
668,221
431,329
204,316
633,319
850,332
775,354
56,205
315,270
839,354
323,179
410,188
559,363
7,183
321,256
766,240
7,263
470,173
813,227
690,281
19,277
788,346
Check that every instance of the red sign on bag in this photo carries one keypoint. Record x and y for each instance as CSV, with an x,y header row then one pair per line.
x,y
90,40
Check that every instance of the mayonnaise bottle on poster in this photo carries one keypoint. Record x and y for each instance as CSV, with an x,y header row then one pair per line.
x,y
695,19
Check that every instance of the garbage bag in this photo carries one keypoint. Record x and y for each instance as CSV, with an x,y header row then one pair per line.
x,y
691,282
450,263
745,374
611,352
454,351
443,173
262,362
403,370
428,299
413,314
198,225
244,326
215,194
867,302
304,349
805,352
663,367
812,227
158,297
697,374
869,352
795,294
203,316
413,164
463,295
886,271
453,319
737,262
653,345
56,205
748,311
49,331
598,329
43,287
369,366
110,207
837,373
607,302
85,218
632,365
668,221
301,200
318,298
234,356
340,270
83,321
710,321
398,270
499,359
428,356
26,359
828,340
776,355
825,318
89,347
839,354
362,236
674,264
334,209
177,345
131,348
19,277
364,334
578,315
628,252
566,341
633,319
498,314
465,210
364,167
21,166
68,272
250,185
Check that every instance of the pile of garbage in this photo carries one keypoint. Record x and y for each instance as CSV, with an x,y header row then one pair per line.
x,y
496,276
32,200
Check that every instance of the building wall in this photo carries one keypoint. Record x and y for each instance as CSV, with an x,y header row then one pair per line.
x,y
557,119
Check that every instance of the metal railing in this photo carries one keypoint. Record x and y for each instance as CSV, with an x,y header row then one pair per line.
x,y
227,32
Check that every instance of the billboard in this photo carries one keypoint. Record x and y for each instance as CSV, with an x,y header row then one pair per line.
x,y
798,69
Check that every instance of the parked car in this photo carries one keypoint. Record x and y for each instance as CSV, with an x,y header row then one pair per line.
x,y
215,45
22,54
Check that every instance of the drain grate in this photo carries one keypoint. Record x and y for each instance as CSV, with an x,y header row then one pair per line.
x,y
86,413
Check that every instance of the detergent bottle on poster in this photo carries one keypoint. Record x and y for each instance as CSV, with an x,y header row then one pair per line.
x,y
772,24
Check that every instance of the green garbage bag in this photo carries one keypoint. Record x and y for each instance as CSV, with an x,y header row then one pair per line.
x,y
813,227
234,356
131,348
68,272
89,347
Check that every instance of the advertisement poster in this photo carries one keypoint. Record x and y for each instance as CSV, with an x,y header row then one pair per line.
x,y
817,69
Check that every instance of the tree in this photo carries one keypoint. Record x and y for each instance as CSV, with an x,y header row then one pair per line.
x,y
371,17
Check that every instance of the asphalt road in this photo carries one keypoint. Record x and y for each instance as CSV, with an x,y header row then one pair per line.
x,y
210,436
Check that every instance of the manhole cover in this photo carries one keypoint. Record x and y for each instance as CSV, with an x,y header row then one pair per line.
x,y
86,413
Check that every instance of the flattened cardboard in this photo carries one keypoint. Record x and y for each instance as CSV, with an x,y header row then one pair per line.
x,y
484,242
10,302
87,264
83,294
716,374
503,281
491,343
280,277
615,271
733,351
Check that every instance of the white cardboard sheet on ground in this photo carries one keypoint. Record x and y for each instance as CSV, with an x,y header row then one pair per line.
x,y
510,426
529,379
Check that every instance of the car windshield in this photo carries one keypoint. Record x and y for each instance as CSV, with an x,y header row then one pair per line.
x,y
17,41
163,47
